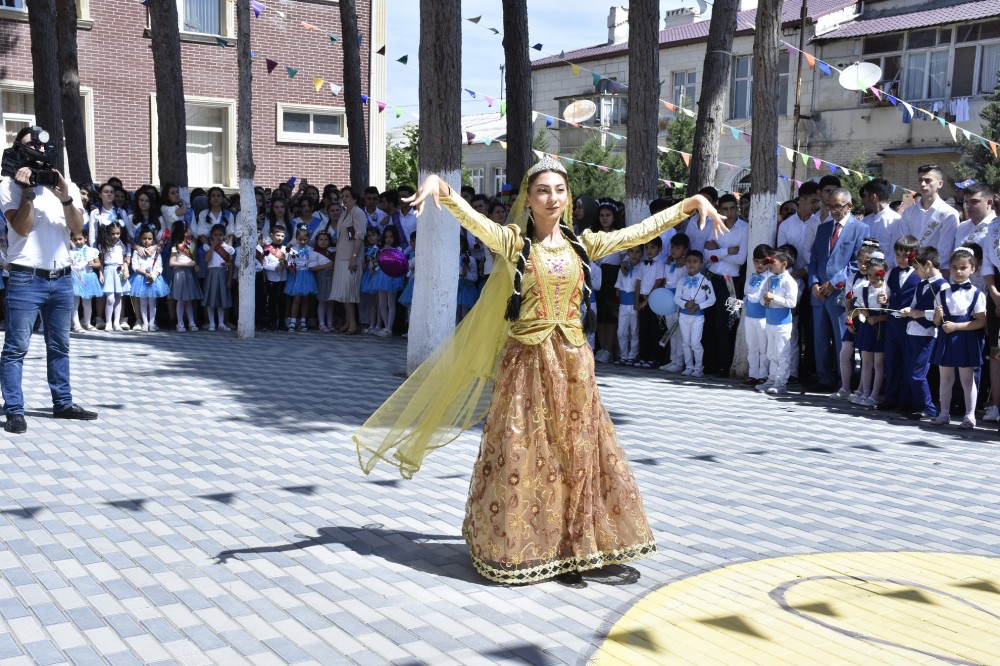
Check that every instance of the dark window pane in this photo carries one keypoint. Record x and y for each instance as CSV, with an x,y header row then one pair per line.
x,y
989,30
323,124
922,39
944,36
883,43
967,33
964,72
295,122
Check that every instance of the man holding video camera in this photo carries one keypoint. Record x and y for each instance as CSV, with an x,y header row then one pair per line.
x,y
41,209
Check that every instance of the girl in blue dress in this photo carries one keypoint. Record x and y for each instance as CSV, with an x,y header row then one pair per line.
x,y
147,283
86,285
387,287
961,316
369,299
301,281
870,338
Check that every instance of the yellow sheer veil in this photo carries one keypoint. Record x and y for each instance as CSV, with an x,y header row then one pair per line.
x,y
450,391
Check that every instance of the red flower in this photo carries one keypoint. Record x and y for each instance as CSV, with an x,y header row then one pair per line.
x,y
850,322
840,285
910,256
713,259
768,260
880,273
850,294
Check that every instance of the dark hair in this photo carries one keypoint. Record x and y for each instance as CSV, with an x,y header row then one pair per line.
x,y
784,255
279,227
927,168
177,232
929,253
467,189
790,251
322,233
479,197
657,205
391,228
493,207
973,249
696,254
728,198
392,196
513,312
287,216
877,263
680,240
980,188
828,179
615,208
655,241
217,227
371,189
105,236
406,188
880,187
809,187
906,244
761,251
709,193
351,190
221,192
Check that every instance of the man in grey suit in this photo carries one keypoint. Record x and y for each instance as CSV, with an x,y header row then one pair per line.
x,y
835,247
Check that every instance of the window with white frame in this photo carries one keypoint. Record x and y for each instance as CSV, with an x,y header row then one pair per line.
x,y
202,16
499,179
740,89
17,108
611,110
478,179
13,4
208,143
311,124
925,66
683,88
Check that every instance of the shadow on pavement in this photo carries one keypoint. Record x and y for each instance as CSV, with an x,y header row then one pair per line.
x,y
437,554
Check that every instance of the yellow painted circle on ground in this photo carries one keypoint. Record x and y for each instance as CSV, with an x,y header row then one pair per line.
x,y
828,608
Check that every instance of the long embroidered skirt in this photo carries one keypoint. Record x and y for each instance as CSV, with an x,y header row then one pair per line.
x,y
551,490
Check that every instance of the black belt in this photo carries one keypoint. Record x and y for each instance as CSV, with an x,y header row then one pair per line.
x,y
53,274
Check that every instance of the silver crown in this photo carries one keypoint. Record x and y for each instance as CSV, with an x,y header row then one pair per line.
x,y
546,163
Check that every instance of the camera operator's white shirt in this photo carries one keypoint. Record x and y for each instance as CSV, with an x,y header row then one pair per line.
x,y
47,245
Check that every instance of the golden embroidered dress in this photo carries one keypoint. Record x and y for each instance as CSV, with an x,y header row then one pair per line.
x,y
551,489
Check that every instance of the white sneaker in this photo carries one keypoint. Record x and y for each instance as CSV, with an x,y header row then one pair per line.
x,y
868,403
211,327
762,388
223,328
383,333
698,373
181,328
855,398
125,326
688,372
142,327
840,394
992,413
777,389
672,367
944,418
154,328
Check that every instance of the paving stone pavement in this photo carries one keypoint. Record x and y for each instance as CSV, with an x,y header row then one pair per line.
x,y
216,512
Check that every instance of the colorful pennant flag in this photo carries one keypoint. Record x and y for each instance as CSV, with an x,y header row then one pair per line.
x,y
333,38
475,19
537,47
503,109
291,71
380,105
405,59
811,59
399,111
309,26
271,64
318,83
381,51
257,7
469,136
221,42
364,99
335,89
576,70
817,162
825,68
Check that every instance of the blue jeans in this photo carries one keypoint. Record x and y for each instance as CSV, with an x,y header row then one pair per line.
x,y
27,297
829,324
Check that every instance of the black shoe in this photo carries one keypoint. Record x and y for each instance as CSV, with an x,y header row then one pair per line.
x,y
76,413
572,579
16,424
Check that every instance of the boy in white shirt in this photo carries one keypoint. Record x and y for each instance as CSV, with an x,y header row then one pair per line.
x,y
780,296
275,276
628,316
694,296
674,270
650,277
754,312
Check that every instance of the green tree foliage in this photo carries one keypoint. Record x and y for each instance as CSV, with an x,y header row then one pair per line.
x,y
402,160
852,182
589,180
679,136
978,161
541,140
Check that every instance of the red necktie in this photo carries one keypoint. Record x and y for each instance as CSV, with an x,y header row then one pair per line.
x,y
835,236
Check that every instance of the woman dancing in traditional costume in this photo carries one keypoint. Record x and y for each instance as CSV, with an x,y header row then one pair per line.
x,y
552,494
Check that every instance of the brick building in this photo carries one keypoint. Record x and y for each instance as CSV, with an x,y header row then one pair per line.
x,y
298,131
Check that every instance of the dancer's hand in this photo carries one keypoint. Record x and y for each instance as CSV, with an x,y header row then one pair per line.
x,y
700,206
433,187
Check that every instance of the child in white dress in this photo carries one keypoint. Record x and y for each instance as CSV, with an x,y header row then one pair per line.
x,y
115,257
147,282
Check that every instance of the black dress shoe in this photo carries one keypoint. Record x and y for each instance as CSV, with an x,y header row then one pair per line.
x,y
16,424
572,579
76,413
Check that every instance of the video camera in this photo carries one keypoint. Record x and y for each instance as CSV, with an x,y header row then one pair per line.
x,y
33,156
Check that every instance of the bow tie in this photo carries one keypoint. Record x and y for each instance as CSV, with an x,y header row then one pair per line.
x,y
691,281
960,287
648,261
756,279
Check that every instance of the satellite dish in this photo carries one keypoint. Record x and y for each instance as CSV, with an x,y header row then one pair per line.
x,y
860,76
580,111
702,7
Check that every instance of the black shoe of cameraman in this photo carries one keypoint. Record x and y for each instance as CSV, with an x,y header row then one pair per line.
x,y
16,424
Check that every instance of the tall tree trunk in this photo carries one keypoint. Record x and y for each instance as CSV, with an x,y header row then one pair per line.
x,y
433,313
714,93
170,114
357,141
69,79
244,155
643,91
763,159
518,80
45,72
